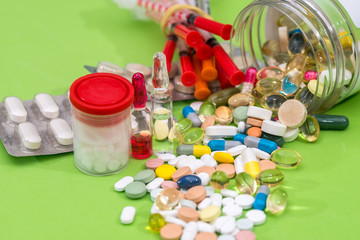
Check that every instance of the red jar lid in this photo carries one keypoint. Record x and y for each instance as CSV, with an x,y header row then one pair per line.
x,y
101,93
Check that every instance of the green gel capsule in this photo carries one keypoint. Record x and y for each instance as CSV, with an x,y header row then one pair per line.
x,y
310,130
285,158
270,177
277,201
193,136
331,122
277,139
206,109
156,222
221,97
245,183
219,180
183,125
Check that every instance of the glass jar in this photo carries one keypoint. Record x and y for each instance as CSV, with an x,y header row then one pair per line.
x,y
101,104
331,32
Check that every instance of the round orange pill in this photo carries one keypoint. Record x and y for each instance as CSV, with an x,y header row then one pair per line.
x,y
254,131
181,172
171,231
196,194
188,214
266,164
228,168
206,236
206,169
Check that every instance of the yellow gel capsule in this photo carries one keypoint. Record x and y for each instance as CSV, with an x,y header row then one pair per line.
x,y
223,157
165,171
252,168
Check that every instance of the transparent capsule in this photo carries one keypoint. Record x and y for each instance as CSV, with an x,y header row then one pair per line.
x,y
304,96
277,201
221,98
270,177
321,60
284,20
271,48
223,115
282,57
219,180
167,199
241,99
310,130
291,82
270,72
298,62
193,136
268,85
286,158
156,222
184,125
206,109
245,183
297,43
272,101
346,42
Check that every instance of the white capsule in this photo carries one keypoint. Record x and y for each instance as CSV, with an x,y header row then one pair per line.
x,y
237,150
174,161
225,224
175,220
204,203
209,160
156,183
205,178
127,215
258,217
245,201
122,183
260,154
29,135
229,193
62,131
232,210
248,155
258,112
216,199
47,105
16,110
227,201
189,231
239,165
205,227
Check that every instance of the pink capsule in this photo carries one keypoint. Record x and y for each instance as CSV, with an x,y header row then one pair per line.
x,y
310,75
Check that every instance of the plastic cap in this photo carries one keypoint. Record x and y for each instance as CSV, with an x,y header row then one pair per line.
x,y
187,110
101,94
216,145
240,137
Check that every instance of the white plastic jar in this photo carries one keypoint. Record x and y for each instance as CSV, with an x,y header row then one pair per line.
x,y
101,104
332,27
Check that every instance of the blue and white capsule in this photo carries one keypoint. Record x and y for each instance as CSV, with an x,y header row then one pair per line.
x,y
254,142
222,145
190,113
261,197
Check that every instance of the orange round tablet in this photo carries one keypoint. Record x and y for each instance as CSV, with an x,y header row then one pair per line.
x,y
206,236
188,214
254,122
254,131
228,168
266,164
206,169
171,231
181,172
196,194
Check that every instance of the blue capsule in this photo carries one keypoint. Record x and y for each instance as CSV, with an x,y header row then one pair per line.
x,y
189,181
189,113
221,145
254,142
261,197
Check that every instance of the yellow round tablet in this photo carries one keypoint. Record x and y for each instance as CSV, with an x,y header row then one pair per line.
x,y
165,171
210,213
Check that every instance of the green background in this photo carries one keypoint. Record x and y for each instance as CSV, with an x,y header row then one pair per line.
x,y
44,45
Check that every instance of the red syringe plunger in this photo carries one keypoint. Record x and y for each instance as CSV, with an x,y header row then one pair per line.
x,y
191,37
169,50
203,51
222,77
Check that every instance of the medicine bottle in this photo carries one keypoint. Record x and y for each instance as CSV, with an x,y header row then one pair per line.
x,y
331,34
101,104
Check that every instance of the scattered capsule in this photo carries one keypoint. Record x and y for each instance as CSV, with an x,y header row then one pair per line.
x,y
277,201
221,145
310,130
196,150
223,115
254,142
219,180
310,75
277,139
190,113
271,72
272,101
270,177
221,98
331,122
223,157
183,125
156,222
268,85
206,109
261,197
245,183
189,181
296,43
251,163
168,199
193,136
286,158
241,99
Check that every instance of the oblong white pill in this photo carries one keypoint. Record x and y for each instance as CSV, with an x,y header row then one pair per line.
x,y
221,131
227,201
189,231
166,156
232,210
258,217
261,154
204,203
29,135
62,131
216,199
225,224
234,151
122,183
156,183
239,165
205,178
154,193
175,220
47,105
205,227
291,134
174,161
273,128
209,160
16,110
229,193
127,215
260,113
245,201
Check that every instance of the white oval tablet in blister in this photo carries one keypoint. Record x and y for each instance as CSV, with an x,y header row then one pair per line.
x,y
62,131
47,105
15,109
29,135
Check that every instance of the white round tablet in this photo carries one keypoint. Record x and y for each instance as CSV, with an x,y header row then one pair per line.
x,y
232,210
258,217
291,134
245,201
244,224
227,201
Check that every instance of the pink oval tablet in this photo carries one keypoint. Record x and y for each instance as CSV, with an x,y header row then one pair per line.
x,y
154,163
245,235
228,168
169,184
206,169
266,164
